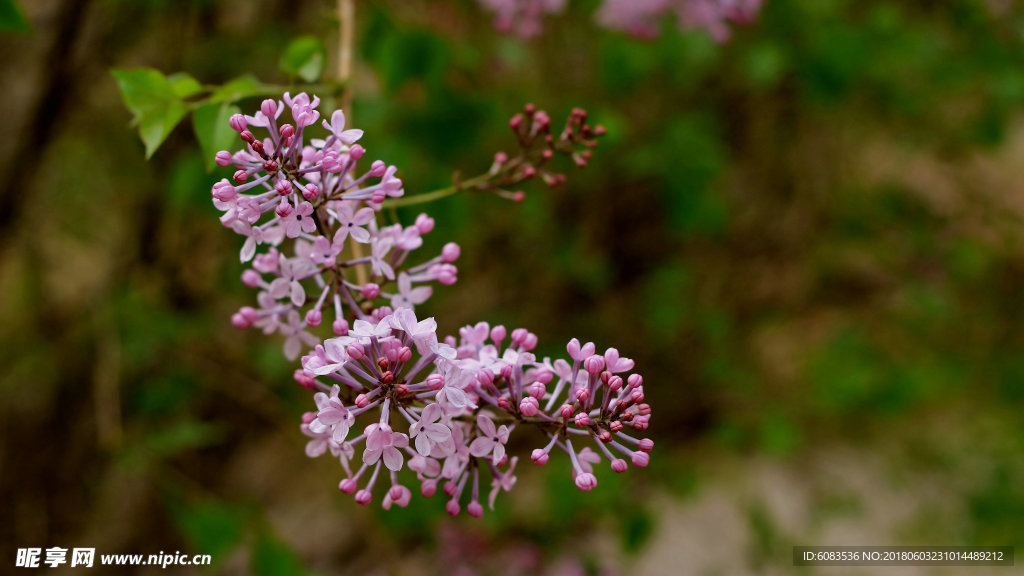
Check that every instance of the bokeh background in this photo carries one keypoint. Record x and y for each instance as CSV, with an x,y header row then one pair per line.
x,y
810,240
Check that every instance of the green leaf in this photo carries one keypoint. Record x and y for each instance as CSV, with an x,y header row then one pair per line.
x,y
154,103
210,122
12,17
185,85
304,58
156,125
236,89
144,89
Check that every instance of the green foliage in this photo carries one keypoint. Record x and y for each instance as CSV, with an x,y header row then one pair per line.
x,y
210,526
12,17
210,123
304,57
154,103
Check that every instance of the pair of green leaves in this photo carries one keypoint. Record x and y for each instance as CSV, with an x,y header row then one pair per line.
x,y
158,102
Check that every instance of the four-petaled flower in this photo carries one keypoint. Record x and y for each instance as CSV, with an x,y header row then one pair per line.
x,y
491,440
432,437
382,442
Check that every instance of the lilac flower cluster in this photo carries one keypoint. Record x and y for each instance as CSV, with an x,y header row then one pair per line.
x,y
458,403
635,17
443,409
306,193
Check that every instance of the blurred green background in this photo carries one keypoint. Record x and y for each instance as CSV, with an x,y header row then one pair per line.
x,y
809,239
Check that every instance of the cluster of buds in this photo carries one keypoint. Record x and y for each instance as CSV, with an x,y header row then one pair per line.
x,y
458,402
639,18
538,146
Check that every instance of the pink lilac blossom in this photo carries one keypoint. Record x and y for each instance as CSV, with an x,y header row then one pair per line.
x,y
639,18
459,401
302,206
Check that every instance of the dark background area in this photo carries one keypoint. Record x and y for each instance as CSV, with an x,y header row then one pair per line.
x,y
809,239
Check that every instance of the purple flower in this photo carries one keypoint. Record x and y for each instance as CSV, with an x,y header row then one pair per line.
x,y
491,440
431,436
382,442
337,128
407,296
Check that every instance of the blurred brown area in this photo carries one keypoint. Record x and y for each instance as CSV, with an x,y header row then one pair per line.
x,y
809,240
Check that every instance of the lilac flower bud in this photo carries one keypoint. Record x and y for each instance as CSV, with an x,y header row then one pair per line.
x,y
378,168
506,372
449,488
594,364
340,327
500,158
257,147
237,122
424,224
640,423
450,252
516,122
635,380
452,508
435,381
251,278
249,313
223,158
239,321
224,191
643,409
614,383
604,436
247,136
530,342
566,410
400,495
428,488
619,465
475,509
582,420
370,291
304,380
446,274
544,376
640,459
586,481
356,152
518,335
615,426
314,317
539,457
240,176
582,395
646,444
529,406
363,497
536,390
269,108
284,209
310,191
308,417
637,396
404,354
362,401
498,334
348,485
485,377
